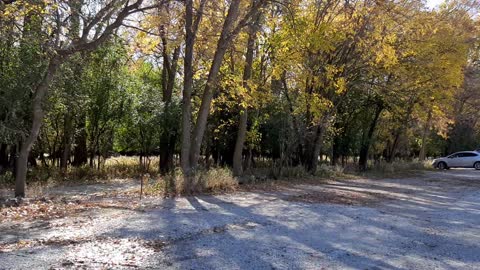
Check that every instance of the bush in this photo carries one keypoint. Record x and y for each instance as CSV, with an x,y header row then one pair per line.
x,y
6,178
214,180
113,168
217,179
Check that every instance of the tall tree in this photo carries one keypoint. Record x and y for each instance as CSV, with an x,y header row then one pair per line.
x,y
247,74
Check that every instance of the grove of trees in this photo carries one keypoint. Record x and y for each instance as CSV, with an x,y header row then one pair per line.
x,y
203,83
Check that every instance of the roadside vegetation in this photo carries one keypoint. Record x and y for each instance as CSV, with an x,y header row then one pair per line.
x,y
149,182
199,96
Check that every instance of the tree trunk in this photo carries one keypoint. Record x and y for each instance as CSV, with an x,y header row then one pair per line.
x,y
92,157
312,162
242,125
3,158
362,162
167,143
421,155
401,130
37,118
237,154
80,152
335,151
301,140
191,27
66,142
187,88
224,42
169,129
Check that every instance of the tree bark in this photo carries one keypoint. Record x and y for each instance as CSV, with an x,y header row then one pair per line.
x,y
3,157
312,162
242,125
37,119
421,155
167,143
187,88
80,152
362,162
66,142
169,129
92,157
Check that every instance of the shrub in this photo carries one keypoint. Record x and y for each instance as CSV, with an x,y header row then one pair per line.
x,y
217,180
214,180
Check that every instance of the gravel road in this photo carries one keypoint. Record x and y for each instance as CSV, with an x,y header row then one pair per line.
x,y
428,222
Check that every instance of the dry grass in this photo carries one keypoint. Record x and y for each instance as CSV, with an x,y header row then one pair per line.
x,y
396,169
334,172
113,168
215,180
40,210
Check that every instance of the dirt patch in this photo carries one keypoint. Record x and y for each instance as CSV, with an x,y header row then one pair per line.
x,y
282,185
358,198
109,253
24,244
39,210
47,209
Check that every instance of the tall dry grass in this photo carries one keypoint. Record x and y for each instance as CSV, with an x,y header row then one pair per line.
x,y
214,180
396,169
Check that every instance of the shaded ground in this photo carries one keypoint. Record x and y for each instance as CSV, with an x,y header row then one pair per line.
x,y
427,222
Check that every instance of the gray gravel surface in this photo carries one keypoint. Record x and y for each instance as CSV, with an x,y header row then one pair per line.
x,y
427,222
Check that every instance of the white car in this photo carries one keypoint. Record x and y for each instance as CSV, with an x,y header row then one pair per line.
x,y
465,159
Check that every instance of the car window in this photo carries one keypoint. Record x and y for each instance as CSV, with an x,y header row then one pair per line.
x,y
470,155
453,156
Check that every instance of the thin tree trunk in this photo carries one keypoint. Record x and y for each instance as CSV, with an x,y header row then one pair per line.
x,y
169,129
92,157
13,158
421,155
296,127
224,42
237,154
66,142
3,158
191,28
80,152
187,88
37,119
400,131
242,125
362,162
335,151
312,163
167,145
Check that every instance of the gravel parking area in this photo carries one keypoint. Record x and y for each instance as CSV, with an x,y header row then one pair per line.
x,y
427,222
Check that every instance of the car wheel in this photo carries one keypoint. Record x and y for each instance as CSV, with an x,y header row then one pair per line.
x,y
477,165
442,166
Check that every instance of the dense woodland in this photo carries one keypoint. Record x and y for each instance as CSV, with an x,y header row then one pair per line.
x,y
237,83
